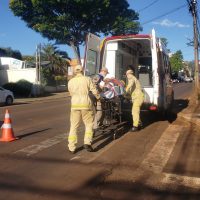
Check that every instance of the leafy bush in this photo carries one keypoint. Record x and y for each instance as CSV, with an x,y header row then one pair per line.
x,y
47,77
11,86
61,80
22,88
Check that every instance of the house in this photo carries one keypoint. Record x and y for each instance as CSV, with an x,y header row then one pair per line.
x,y
11,63
13,70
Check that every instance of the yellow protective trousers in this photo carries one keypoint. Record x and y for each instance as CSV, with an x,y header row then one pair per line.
x,y
137,102
75,119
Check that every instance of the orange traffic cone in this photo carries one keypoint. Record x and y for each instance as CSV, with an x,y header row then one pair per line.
x,y
7,131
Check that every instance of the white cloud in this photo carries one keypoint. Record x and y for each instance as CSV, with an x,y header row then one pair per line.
x,y
168,23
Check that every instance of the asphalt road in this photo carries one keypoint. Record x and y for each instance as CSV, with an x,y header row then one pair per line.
x,y
183,90
38,165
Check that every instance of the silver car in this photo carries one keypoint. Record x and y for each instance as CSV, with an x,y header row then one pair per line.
x,y
6,96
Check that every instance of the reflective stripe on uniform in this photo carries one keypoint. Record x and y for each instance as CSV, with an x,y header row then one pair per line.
x,y
72,137
88,137
81,106
88,134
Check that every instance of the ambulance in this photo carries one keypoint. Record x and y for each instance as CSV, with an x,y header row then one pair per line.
x,y
146,55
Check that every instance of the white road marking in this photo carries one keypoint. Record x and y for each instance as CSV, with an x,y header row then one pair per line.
x,y
76,157
33,149
190,182
94,156
158,157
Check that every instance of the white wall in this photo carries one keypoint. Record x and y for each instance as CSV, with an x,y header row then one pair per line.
x,y
15,75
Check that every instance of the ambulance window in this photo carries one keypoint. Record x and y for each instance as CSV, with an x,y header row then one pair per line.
x,y
145,71
91,65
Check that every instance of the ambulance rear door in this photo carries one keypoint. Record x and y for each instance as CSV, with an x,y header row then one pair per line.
x,y
92,55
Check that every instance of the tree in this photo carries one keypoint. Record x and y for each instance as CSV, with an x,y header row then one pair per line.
x,y
164,41
8,52
191,66
68,21
176,61
57,63
56,67
28,58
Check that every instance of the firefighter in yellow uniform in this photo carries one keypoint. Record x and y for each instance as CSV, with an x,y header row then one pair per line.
x,y
134,90
81,108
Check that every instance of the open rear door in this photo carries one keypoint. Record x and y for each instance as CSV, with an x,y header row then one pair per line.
x,y
155,68
92,55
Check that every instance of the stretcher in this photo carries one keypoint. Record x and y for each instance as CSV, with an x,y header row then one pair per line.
x,y
113,123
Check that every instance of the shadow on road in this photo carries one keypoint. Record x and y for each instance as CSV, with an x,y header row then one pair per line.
x,y
32,133
103,138
152,117
179,105
20,103
97,187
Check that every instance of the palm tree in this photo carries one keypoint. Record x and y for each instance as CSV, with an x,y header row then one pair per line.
x,y
57,64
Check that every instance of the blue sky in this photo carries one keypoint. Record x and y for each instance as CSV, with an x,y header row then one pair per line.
x,y
176,26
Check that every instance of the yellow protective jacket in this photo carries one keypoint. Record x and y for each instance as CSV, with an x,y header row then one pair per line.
x,y
134,88
79,88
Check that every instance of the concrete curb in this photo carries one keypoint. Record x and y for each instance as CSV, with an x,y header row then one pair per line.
x,y
192,118
34,99
190,113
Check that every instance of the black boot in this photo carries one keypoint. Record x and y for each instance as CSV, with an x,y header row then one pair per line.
x,y
134,129
88,147
72,152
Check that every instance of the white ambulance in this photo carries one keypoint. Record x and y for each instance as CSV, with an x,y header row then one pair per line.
x,y
146,55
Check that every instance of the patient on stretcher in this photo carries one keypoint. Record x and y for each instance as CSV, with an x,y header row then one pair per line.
x,y
113,88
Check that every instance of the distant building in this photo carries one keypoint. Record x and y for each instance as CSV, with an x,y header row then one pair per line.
x,y
11,63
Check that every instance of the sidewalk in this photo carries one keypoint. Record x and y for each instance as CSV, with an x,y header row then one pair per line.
x,y
191,114
47,97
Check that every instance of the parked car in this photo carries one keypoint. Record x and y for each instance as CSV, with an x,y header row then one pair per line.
x,y
175,80
187,79
6,96
180,78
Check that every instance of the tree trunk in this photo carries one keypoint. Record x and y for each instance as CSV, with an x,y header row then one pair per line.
x,y
76,50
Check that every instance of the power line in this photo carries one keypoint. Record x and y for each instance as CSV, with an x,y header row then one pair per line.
x,y
169,12
148,6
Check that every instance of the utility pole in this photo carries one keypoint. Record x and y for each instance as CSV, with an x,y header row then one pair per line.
x,y
193,6
36,63
39,64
